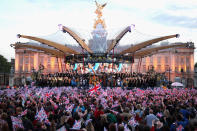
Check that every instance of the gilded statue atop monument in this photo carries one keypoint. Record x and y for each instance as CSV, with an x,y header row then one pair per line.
x,y
99,14
99,9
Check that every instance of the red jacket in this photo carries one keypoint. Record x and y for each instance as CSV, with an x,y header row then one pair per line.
x,y
97,113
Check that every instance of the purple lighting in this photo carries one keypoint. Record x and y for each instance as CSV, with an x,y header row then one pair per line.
x,y
129,28
133,25
60,27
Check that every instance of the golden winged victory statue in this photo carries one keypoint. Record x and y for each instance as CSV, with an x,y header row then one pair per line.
x,y
99,14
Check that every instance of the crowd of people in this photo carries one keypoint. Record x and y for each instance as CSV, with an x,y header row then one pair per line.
x,y
98,109
74,79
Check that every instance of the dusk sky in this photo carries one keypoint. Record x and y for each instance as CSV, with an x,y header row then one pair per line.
x,y
41,17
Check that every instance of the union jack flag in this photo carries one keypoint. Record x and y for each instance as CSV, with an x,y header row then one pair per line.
x,y
24,112
41,115
16,123
96,87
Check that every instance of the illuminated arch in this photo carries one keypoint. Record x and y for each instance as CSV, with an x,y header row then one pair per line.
x,y
51,43
54,52
77,38
146,43
118,38
154,50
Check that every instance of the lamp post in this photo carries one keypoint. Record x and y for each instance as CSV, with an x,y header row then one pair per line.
x,y
33,74
169,70
169,74
182,73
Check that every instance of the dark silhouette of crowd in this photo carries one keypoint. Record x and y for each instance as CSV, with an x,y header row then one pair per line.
x,y
75,79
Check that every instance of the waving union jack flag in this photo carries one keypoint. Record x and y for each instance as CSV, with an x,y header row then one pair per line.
x,y
96,87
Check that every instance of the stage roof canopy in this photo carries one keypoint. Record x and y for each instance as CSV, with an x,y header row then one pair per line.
x,y
125,42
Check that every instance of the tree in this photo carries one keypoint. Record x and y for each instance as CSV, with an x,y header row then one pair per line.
x,y
4,65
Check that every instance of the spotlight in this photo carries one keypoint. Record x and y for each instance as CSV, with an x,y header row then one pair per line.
x,y
11,45
177,35
18,35
129,28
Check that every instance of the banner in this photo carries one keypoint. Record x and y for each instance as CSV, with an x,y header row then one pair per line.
x,y
95,67
75,67
120,67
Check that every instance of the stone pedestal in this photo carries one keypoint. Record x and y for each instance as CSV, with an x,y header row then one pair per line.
x,y
98,43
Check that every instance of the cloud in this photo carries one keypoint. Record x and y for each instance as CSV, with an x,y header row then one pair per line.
x,y
181,7
172,20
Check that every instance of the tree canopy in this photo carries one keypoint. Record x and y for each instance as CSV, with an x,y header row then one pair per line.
x,y
4,65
